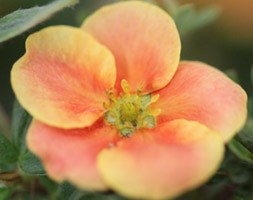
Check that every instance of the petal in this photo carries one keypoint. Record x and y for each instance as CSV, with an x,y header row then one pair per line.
x,y
201,93
163,162
143,39
62,78
71,154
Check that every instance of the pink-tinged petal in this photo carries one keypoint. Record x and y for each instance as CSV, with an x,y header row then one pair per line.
x,y
202,93
143,39
71,154
163,162
63,77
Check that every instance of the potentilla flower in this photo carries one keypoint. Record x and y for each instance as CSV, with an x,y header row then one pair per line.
x,y
114,109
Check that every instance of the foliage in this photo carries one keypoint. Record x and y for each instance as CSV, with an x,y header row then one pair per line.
x,y
24,19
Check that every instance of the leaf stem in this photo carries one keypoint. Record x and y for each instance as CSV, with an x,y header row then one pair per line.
x,y
9,176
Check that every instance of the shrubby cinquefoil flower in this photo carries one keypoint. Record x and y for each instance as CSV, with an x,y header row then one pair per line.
x,y
114,109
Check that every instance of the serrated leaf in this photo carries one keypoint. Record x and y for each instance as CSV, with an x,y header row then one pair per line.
x,y
30,164
246,134
68,192
27,162
20,123
241,151
21,20
8,153
65,190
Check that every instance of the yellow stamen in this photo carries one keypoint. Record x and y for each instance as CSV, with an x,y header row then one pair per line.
x,y
129,112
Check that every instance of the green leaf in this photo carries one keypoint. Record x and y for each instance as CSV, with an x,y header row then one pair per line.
x,y
206,16
21,20
80,195
5,193
188,19
246,134
49,185
99,196
238,175
27,162
184,18
30,164
241,151
64,191
68,192
20,123
8,152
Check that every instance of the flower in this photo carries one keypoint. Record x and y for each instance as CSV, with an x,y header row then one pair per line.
x,y
114,109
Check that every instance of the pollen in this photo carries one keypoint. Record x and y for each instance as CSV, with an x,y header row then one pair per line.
x,y
130,111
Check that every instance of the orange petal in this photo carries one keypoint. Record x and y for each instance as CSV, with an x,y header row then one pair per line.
x,y
62,78
163,162
202,93
143,39
71,154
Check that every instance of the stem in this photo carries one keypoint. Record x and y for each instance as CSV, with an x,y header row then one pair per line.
x,y
9,176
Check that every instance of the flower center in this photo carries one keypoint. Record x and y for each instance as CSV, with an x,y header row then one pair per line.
x,y
129,112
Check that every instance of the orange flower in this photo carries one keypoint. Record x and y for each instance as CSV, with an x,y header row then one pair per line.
x,y
114,109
